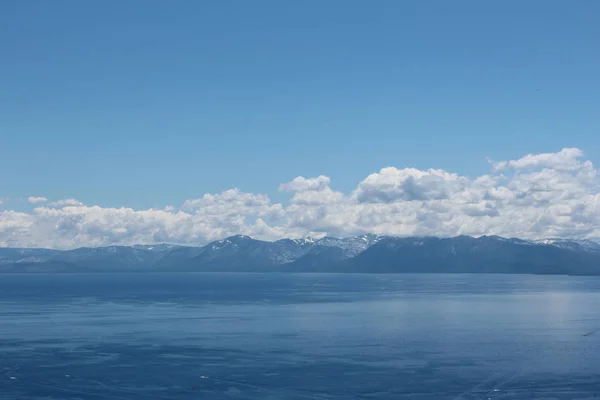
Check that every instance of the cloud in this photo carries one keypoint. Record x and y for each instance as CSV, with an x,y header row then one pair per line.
x,y
536,196
65,202
311,191
391,184
301,184
566,159
36,200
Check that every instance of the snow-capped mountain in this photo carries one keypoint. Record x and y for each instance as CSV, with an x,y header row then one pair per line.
x,y
352,245
157,247
571,244
364,253
243,252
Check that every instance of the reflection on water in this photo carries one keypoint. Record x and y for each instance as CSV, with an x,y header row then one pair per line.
x,y
272,336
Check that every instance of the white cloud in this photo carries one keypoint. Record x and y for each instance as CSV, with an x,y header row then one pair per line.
x,y
315,197
35,200
566,159
301,183
539,195
311,191
391,184
65,202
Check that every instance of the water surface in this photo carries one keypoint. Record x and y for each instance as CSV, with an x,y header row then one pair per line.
x,y
299,336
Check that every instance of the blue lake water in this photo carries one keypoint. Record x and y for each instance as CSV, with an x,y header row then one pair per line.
x,y
299,336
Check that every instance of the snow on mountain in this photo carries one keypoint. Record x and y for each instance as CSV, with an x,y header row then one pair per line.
x,y
156,247
309,253
352,245
293,249
571,244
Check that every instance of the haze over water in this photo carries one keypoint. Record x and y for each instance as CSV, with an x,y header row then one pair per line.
x,y
298,336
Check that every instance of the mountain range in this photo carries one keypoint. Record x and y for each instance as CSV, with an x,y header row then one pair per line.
x,y
359,254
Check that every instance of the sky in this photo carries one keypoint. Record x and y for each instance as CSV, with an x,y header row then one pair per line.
x,y
148,121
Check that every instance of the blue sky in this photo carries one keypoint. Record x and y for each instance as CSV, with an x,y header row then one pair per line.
x,y
149,103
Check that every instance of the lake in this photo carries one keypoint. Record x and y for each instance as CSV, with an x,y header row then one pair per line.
x,y
299,336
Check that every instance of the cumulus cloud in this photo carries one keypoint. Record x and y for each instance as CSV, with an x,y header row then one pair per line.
x,y
302,184
311,191
391,184
35,200
538,195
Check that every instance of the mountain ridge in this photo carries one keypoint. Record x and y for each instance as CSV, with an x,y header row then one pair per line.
x,y
361,253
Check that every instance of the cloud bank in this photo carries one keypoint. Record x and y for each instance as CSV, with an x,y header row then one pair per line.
x,y
536,196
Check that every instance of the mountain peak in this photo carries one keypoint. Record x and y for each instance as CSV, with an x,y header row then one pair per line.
x,y
240,237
